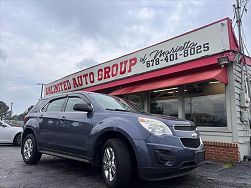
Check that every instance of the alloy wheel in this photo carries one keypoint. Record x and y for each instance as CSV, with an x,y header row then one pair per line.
x,y
28,147
109,165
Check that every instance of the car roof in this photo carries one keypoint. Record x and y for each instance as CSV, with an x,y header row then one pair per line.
x,y
64,94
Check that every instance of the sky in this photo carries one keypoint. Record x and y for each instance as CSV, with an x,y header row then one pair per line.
x,y
44,40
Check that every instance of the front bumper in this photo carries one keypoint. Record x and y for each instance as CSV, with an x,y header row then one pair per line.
x,y
157,160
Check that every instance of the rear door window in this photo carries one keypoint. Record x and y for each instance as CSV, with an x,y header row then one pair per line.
x,y
71,102
55,105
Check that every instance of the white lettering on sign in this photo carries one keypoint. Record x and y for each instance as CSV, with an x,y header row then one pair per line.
x,y
205,41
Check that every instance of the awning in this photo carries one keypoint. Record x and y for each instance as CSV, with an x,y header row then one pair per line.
x,y
219,74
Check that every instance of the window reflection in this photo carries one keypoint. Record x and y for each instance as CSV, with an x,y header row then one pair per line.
x,y
71,102
164,101
205,104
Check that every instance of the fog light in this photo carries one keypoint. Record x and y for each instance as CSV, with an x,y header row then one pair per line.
x,y
165,157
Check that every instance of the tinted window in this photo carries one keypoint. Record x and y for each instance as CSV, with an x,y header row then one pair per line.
x,y
71,102
56,105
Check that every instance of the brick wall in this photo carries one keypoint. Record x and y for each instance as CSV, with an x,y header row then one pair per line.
x,y
217,151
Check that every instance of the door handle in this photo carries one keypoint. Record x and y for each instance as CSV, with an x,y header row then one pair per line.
x,y
41,116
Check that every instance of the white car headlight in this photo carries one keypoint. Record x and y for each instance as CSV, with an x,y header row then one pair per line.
x,y
154,126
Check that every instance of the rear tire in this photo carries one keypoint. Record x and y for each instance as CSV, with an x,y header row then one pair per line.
x,y
17,140
116,164
29,150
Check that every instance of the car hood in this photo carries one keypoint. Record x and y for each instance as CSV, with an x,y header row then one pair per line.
x,y
17,128
169,120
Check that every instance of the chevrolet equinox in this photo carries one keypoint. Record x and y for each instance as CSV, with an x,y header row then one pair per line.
x,y
111,133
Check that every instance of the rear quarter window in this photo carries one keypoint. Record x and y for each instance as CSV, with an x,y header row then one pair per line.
x,y
38,106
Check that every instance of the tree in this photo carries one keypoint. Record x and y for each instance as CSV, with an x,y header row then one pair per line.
x,y
4,110
14,117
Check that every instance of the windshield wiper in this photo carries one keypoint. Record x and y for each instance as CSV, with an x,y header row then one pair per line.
x,y
117,109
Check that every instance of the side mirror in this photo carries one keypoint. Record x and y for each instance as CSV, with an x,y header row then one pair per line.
x,y
3,125
82,107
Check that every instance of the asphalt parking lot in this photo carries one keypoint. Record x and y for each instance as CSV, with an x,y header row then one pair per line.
x,y
57,172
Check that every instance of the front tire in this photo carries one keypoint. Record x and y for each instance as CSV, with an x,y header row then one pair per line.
x,y
116,164
29,150
17,140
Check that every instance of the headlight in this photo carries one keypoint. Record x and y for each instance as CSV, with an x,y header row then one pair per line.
x,y
154,126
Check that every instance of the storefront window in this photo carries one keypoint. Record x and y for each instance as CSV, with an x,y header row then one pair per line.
x,y
205,104
137,99
164,101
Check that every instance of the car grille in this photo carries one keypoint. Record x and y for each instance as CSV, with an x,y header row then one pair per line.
x,y
190,142
185,128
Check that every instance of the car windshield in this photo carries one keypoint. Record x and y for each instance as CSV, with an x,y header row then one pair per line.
x,y
115,103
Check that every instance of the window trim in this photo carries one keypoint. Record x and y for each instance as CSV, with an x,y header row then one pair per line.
x,y
54,99
68,97
83,97
46,105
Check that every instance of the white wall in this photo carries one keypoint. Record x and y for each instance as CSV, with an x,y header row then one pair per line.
x,y
241,128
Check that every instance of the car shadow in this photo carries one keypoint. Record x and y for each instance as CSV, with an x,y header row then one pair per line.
x,y
67,165
174,182
8,145
76,169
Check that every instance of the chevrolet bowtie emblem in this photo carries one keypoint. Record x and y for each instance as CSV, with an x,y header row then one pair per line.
x,y
194,135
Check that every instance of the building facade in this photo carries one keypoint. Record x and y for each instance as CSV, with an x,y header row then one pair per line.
x,y
196,76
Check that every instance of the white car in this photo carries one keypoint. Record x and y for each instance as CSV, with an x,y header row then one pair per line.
x,y
10,134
